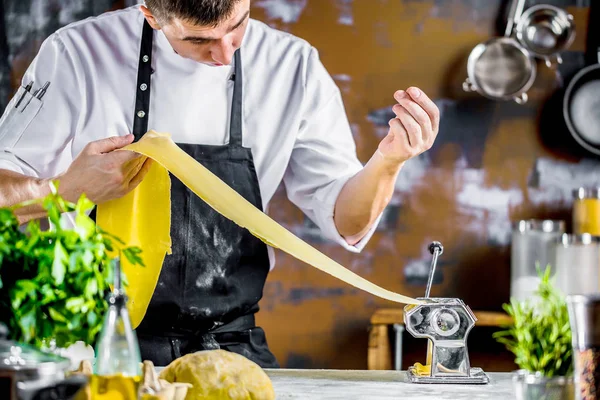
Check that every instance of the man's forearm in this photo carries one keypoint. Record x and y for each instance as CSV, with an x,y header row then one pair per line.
x,y
364,197
16,188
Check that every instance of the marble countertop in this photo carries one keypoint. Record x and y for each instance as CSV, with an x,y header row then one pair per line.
x,y
379,385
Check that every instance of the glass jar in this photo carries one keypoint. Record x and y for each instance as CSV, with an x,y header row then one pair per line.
x,y
584,319
533,244
578,264
586,211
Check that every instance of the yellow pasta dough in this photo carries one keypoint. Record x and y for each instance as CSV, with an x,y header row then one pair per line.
x,y
220,375
149,202
141,218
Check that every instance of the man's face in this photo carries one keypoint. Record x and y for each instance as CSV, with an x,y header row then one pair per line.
x,y
206,44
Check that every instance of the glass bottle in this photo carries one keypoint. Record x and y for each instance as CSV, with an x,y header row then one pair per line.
x,y
117,374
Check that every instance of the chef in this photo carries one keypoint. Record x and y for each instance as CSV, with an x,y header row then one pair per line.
x,y
252,104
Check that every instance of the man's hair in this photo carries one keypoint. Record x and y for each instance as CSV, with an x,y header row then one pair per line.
x,y
198,12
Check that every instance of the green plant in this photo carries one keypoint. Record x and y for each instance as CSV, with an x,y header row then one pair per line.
x,y
53,283
540,336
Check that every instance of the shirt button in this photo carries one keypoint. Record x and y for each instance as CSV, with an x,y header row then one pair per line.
x,y
141,114
145,58
143,87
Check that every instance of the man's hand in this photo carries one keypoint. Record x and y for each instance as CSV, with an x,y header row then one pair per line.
x,y
366,194
414,129
102,173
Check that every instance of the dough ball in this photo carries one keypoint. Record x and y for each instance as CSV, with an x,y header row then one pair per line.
x,y
220,374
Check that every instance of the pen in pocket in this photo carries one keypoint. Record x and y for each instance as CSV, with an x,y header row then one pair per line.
x,y
27,89
42,91
38,94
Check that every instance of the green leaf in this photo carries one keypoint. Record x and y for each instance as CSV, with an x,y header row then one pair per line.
x,y
58,265
540,336
27,323
57,316
48,295
75,304
8,219
59,281
91,288
83,205
92,318
84,226
133,255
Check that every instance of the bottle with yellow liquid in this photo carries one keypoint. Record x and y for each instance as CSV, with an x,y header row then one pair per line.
x,y
117,374
586,211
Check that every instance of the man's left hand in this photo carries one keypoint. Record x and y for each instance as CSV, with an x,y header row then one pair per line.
x,y
414,128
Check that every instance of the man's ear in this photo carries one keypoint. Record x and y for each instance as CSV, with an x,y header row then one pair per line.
x,y
150,17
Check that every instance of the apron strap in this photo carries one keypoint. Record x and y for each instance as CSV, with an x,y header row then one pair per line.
x,y
235,129
142,99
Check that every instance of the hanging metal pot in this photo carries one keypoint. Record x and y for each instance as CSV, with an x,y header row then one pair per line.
x,y
581,104
545,31
500,68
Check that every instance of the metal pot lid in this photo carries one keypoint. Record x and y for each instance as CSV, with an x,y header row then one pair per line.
x,y
583,239
539,225
21,357
586,193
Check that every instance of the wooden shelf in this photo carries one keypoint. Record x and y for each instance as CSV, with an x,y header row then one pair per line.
x,y
390,316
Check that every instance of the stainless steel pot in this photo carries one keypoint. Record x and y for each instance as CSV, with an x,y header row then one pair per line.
x,y
545,31
582,102
500,68
30,374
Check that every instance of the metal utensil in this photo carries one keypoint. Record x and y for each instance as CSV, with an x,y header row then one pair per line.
x,y
514,15
500,68
545,31
436,250
446,323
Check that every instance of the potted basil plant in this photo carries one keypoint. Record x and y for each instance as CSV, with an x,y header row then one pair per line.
x,y
53,282
540,339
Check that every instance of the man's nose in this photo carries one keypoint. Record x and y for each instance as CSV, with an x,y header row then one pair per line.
x,y
223,51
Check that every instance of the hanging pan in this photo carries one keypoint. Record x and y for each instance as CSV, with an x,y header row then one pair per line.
x,y
581,104
545,31
500,68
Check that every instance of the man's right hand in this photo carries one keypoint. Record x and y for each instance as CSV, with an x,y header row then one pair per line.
x,y
102,173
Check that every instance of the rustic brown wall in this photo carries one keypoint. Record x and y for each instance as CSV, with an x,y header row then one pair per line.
x,y
464,192
493,163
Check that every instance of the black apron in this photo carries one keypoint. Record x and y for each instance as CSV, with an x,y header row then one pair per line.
x,y
209,288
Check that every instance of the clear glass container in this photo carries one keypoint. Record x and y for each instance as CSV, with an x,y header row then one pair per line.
x,y
577,264
533,243
117,372
533,386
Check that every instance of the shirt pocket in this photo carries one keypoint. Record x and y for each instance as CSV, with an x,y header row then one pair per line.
x,y
17,117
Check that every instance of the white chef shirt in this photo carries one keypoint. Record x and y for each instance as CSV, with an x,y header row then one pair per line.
x,y
293,117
